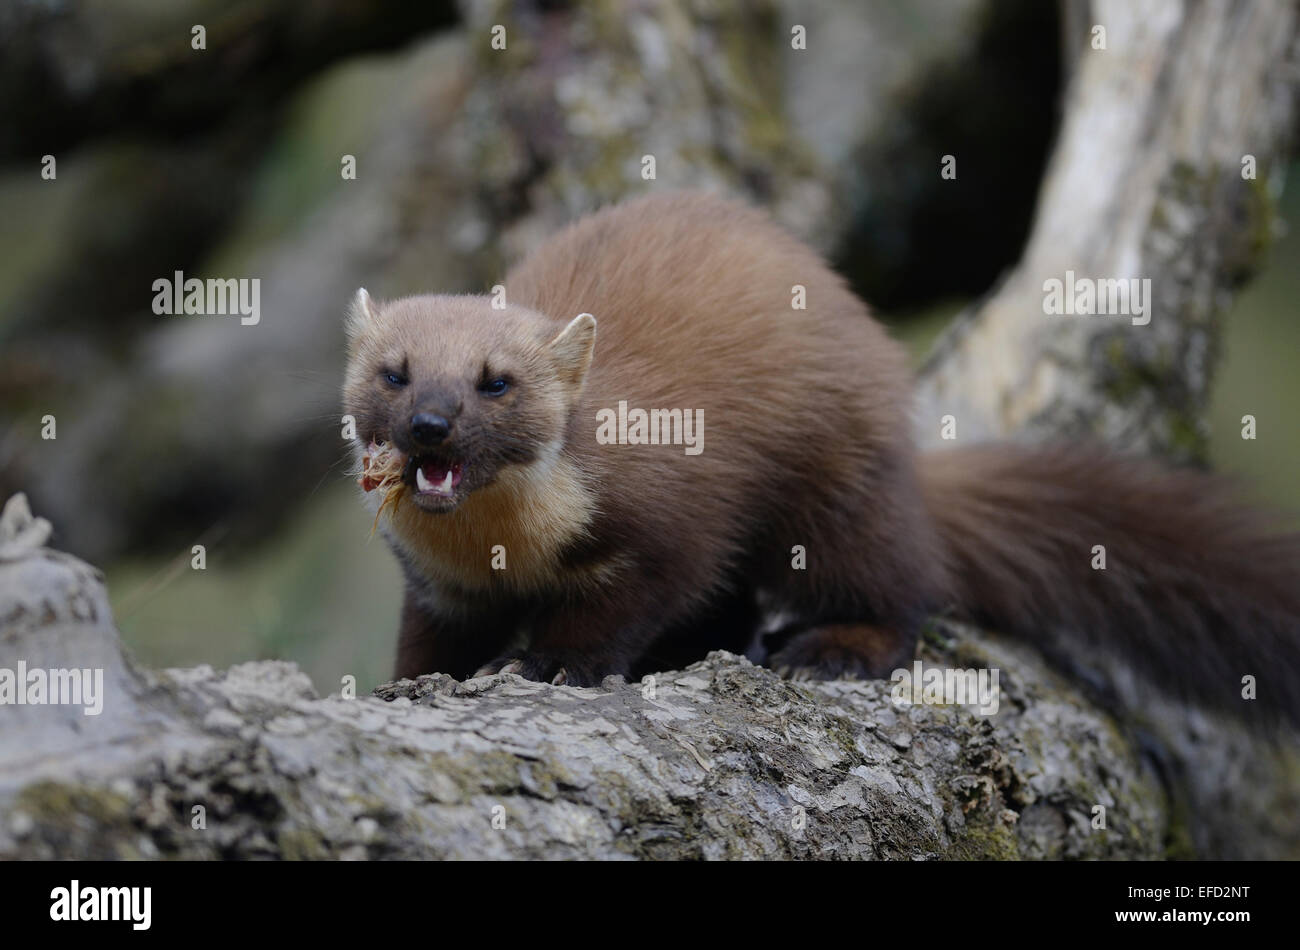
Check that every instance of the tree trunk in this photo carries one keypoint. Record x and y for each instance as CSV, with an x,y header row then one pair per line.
x,y
721,760
1148,181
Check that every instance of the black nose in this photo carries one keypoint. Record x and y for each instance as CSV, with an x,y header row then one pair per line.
x,y
429,430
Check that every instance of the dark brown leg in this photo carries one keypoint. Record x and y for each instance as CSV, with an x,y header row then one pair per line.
x,y
431,643
581,644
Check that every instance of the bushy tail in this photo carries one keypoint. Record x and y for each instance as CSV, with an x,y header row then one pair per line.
x,y
1198,589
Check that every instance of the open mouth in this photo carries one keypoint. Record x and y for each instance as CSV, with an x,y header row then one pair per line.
x,y
431,483
433,478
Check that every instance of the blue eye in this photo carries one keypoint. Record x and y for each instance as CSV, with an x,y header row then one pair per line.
x,y
396,380
495,387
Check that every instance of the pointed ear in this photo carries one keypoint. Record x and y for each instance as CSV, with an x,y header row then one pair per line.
x,y
361,313
573,348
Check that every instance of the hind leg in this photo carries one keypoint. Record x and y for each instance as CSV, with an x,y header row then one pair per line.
x,y
845,650
855,568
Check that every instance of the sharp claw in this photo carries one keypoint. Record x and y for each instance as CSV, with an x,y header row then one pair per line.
x,y
514,666
561,678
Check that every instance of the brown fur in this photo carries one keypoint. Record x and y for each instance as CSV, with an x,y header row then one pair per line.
x,y
1198,589
806,444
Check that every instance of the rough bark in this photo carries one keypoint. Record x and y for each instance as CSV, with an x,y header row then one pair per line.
x,y
721,760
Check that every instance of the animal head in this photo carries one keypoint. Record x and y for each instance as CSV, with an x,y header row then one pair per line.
x,y
462,390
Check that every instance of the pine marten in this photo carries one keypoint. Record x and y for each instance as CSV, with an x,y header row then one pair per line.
x,y
551,520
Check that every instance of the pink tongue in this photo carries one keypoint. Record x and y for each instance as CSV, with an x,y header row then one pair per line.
x,y
436,474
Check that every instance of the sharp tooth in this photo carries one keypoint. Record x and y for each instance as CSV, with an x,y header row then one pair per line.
x,y
422,483
445,487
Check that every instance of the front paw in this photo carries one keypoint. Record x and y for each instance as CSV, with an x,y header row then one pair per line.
x,y
544,667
